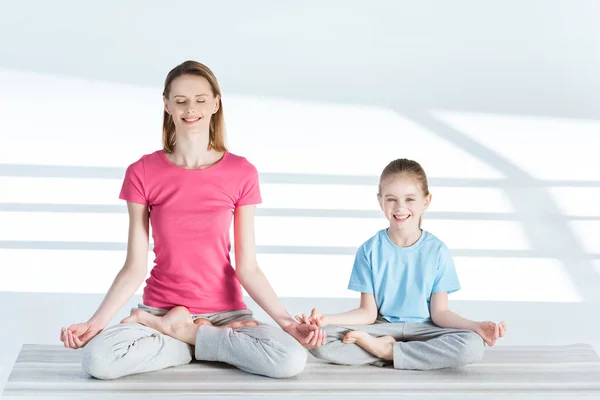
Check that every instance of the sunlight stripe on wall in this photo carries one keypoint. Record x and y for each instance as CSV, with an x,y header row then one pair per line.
x,y
322,276
291,231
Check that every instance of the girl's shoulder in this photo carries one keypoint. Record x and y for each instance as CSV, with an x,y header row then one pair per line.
x,y
432,242
374,241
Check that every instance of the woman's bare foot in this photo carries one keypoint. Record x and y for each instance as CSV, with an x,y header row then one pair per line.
x,y
239,324
381,347
202,321
167,324
232,325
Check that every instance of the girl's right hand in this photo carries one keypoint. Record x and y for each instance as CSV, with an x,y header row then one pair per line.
x,y
78,335
315,318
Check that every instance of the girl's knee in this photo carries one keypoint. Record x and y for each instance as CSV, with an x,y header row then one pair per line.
x,y
472,349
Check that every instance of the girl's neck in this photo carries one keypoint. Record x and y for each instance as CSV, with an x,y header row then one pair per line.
x,y
404,239
191,151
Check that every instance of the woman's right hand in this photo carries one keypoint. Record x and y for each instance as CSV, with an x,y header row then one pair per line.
x,y
315,318
78,335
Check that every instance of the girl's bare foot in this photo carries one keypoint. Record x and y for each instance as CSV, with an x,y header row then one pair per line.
x,y
167,324
381,347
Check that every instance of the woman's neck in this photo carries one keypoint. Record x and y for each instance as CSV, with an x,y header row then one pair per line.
x,y
402,238
191,151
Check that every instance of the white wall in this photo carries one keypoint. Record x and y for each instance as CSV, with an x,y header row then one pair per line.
x,y
497,100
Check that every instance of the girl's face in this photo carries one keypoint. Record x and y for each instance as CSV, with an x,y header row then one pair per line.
x,y
403,202
191,104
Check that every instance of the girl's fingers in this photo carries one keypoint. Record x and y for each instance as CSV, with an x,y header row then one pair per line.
x,y
502,328
323,337
315,339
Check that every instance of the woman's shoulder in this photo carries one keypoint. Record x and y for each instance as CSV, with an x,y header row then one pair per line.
x,y
236,158
146,159
240,163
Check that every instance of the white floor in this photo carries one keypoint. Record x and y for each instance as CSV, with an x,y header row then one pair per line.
x,y
37,318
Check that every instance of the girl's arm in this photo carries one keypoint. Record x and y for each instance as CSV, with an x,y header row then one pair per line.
x,y
365,314
256,284
129,278
442,316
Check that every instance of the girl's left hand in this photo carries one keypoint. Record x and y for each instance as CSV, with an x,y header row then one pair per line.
x,y
490,331
315,318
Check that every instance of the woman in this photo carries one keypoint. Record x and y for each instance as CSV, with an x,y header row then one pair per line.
x,y
189,191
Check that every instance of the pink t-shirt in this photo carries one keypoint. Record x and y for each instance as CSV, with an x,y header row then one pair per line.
x,y
190,213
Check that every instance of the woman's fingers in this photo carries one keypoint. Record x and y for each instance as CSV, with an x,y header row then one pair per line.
x,y
78,343
70,339
63,337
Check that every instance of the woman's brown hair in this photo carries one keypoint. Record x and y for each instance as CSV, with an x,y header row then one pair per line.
x,y
216,139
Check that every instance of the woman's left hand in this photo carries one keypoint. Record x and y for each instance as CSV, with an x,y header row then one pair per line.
x,y
309,336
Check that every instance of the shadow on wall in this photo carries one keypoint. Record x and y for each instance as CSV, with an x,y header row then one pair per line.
x,y
532,202
397,55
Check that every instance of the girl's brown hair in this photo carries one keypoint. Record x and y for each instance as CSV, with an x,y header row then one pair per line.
x,y
216,138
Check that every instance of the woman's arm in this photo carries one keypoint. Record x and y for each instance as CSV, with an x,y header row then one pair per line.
x,y
256,284
124,285
131,276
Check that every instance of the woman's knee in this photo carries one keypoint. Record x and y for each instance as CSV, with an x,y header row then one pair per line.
x,y
291,363
96,359
126,349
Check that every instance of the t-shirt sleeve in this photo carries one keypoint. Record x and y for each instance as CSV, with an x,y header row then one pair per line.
x,y
249,188
134,184
361,279
446,279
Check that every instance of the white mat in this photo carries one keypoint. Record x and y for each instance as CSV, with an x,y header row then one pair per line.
x,y
43,370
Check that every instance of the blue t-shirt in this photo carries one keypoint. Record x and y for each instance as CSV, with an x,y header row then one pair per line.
x,y
403,278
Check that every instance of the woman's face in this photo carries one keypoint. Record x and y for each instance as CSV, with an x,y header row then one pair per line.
x,y
191,104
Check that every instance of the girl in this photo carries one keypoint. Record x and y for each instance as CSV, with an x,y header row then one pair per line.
x,y
404,275
189,191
